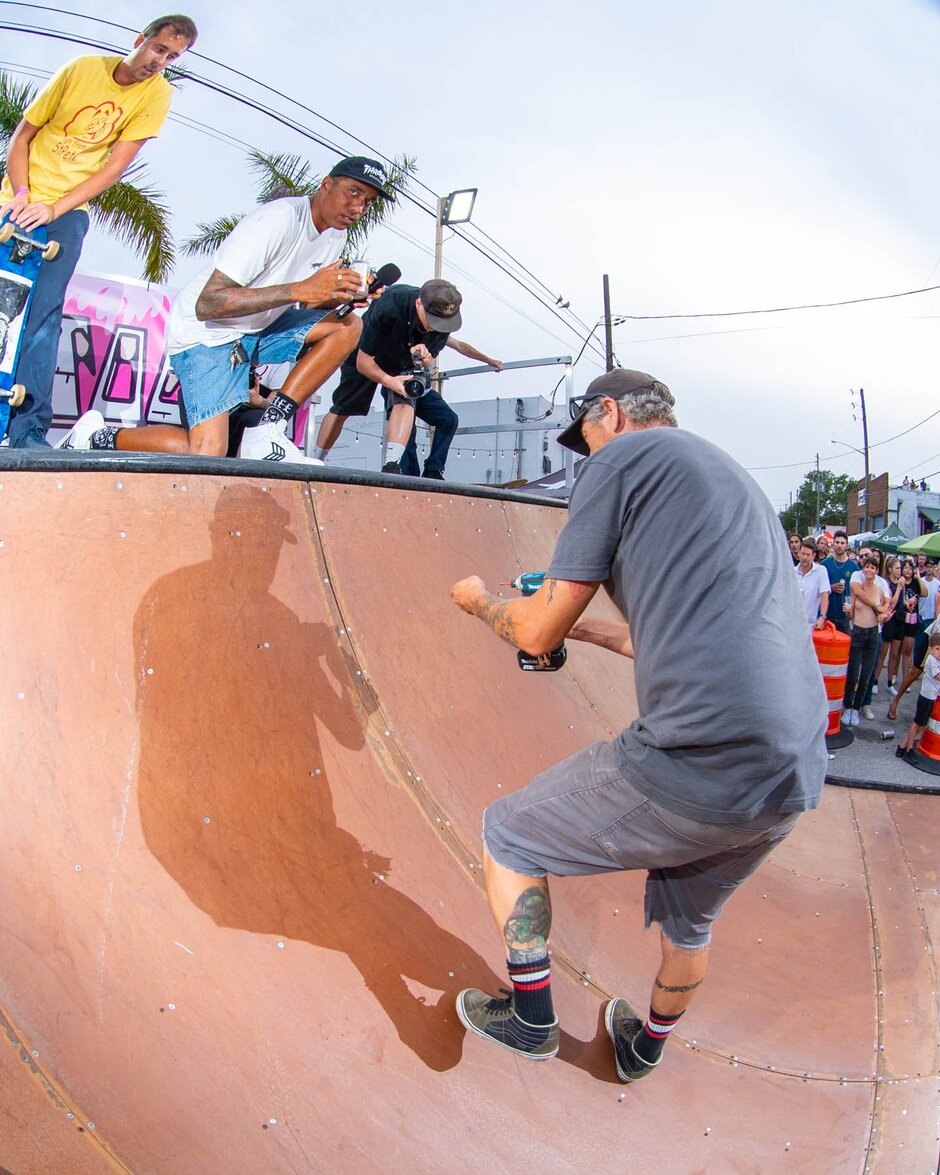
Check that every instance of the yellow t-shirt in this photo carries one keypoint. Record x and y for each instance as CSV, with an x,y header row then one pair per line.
x,y
81,113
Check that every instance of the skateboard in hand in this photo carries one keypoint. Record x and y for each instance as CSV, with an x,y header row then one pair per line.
x,y
21,255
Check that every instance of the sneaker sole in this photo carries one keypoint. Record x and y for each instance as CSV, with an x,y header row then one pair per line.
x,y
471,1027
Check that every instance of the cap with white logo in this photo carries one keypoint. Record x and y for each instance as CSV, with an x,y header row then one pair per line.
x,y
367,171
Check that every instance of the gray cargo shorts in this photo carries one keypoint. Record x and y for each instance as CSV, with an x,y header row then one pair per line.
x,y
583,815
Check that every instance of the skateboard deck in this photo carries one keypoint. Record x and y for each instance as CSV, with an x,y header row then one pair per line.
x,y
21,255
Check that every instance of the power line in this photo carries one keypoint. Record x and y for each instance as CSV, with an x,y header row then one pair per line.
x,y
775,309
279,117
845,453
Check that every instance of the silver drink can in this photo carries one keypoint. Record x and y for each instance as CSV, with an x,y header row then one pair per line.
x,y
886,735
364,269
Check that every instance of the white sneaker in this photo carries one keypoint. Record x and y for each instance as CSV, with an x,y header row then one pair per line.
x,y
892,691
269,442
79,436
855,717
874,689
846,717
868,712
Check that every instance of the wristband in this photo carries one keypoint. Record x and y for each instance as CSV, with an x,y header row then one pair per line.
x,y
21,192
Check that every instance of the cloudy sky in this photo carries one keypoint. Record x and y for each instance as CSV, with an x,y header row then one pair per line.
x,y
709,158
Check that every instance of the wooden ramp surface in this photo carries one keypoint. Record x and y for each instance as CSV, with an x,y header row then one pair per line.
x,y
248,742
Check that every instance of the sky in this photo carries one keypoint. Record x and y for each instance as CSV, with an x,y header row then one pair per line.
x,y
708,158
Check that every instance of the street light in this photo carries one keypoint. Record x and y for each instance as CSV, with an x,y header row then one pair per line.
x,y
861,453
455,208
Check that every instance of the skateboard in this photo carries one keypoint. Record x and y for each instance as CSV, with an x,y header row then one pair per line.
x,y
21,255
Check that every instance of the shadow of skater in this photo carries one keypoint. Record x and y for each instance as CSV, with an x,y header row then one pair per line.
x,y
241,706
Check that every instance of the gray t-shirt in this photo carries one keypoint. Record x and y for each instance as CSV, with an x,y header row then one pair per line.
x,y
732,710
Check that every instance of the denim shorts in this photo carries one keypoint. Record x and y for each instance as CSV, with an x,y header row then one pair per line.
x,y
583,815
211,384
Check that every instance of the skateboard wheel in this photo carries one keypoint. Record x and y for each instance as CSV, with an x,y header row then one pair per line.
x,y
6,231
51,251
17,395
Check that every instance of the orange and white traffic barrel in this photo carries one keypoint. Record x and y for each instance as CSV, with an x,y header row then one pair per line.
x,y
927,750
832,652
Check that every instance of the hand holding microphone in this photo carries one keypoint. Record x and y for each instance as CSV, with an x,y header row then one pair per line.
x,y
386,276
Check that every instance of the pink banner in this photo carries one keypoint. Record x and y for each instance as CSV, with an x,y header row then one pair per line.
x,y
112,356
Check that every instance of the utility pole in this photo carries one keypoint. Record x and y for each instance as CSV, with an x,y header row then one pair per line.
x,y
608,332
817,491
861,396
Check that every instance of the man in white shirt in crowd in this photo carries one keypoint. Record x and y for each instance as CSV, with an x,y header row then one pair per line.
x,y
814,584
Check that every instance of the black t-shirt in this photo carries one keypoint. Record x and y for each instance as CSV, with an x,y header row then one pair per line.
x,y
390,328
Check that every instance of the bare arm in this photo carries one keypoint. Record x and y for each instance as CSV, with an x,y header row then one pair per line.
x,y
32,214
537,623
469,352
221,297
868,593
608,634
367,366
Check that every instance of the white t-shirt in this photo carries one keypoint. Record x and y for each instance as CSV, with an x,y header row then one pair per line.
x,y
927,605
812,586
930,682
271,247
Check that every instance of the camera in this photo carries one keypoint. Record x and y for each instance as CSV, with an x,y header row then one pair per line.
x,y
417,381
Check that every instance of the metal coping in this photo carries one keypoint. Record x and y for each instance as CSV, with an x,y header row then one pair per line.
x,y
107,461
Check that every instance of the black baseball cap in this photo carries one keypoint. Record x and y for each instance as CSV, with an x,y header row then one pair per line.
x,y
441,302
367,171
616,383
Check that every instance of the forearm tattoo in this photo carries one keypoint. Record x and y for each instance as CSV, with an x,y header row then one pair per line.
x,y
498,615
678,989
528,925
223,298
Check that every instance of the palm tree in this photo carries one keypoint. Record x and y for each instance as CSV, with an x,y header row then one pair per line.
x,y
280,175
130,210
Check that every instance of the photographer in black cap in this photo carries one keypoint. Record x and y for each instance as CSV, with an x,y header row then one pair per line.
x,y
401,335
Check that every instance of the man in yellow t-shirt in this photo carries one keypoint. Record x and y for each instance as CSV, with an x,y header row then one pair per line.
x,y
74,142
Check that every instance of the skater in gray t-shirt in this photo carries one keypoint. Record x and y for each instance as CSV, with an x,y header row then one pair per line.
x,y
719,763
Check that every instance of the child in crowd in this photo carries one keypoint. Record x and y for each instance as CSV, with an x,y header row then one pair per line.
x,y
929,689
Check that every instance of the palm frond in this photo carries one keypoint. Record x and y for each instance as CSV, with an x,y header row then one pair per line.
x,y
279,175
402,168
210,235
14,98
136,215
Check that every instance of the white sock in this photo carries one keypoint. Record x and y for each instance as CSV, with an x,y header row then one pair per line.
x,y
322,454
394,452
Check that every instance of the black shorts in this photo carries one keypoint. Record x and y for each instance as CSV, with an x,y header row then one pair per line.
x,y
353,396
922,713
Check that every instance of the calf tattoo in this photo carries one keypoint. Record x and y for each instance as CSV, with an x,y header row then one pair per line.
x,y
678,989
527,927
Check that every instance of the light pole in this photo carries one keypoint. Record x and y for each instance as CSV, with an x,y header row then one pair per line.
x,y
455,208
861,453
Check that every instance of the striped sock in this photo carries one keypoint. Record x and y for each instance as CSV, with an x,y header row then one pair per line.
x,y
532,990
651,1039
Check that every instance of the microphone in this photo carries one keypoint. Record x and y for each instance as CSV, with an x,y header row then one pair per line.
x,y
386,276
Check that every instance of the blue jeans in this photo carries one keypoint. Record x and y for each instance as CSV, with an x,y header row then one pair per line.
x,y
434,410
39,348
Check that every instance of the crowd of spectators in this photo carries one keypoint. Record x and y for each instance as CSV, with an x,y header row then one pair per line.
x,y
887,606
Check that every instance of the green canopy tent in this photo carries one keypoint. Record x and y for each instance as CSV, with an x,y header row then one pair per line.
x,y
888,539
928,543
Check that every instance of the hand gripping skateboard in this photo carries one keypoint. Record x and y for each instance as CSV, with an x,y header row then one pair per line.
x,y
21,255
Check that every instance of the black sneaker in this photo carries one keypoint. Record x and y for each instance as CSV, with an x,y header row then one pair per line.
x,y
391,467
623,1028
434,474
494,1019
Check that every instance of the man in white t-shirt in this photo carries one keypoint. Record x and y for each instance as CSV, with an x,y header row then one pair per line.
x,y
814,584
927,605
266,297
